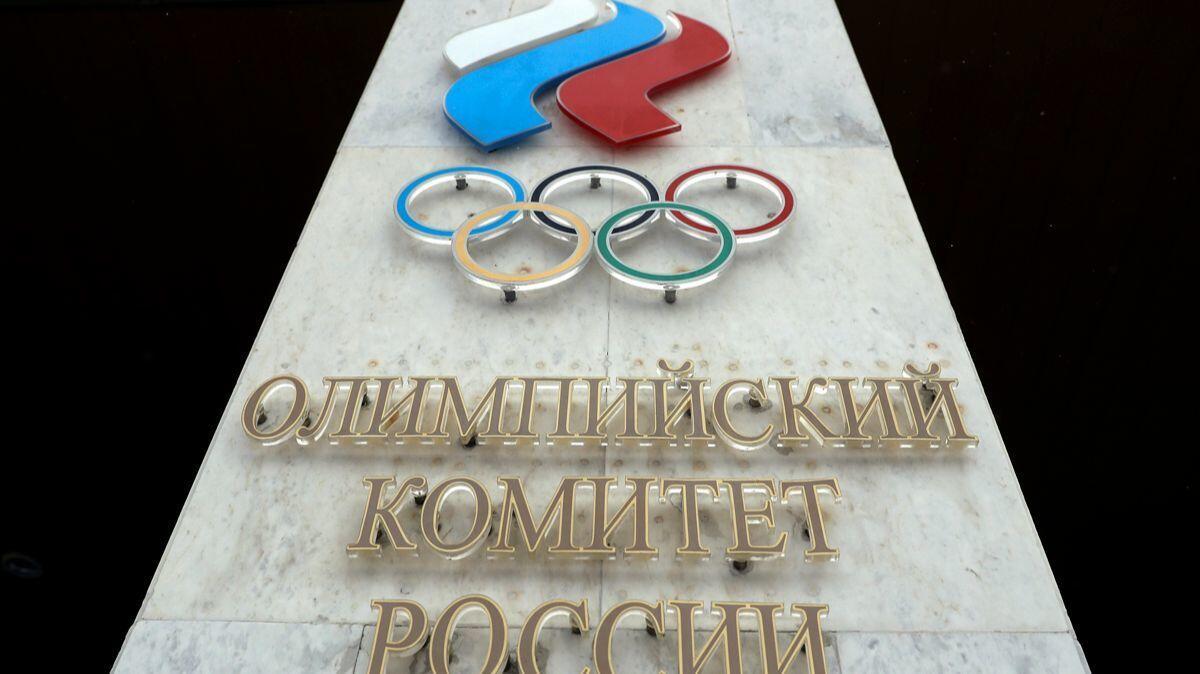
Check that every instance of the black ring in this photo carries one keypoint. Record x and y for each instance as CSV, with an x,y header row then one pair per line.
x,y
545,219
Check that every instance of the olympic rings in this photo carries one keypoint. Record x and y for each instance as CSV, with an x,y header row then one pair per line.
x,y
565,225
458,175
510,283
732,173
593,172
669,283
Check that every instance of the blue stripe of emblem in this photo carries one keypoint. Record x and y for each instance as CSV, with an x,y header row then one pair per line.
x,y
494,104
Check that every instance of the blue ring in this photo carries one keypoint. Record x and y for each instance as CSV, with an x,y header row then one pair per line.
x,y
499,221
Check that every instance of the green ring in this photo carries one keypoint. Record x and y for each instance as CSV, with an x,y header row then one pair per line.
x,y
728,241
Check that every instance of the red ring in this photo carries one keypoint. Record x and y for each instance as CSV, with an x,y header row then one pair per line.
x,y
789,199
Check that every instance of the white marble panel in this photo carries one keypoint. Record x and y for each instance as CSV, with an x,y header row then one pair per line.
x,y
803,83
921,653
200,647
263,534
929,541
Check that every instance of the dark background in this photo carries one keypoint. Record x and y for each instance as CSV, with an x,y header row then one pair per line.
x,y
162,160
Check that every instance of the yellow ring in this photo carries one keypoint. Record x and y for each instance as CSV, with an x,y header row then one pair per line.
x,y
583,244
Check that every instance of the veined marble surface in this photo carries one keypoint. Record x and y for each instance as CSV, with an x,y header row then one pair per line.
x,y
940,569
964,653
220,647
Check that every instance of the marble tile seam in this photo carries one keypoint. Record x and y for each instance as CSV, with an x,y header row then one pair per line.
x,y
260,621
586,146
836,640
629,626
733,44
362,647
837,652
733,41
1015,632
226,411
608,312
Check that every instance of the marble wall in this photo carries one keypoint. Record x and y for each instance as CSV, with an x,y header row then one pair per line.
x,y
941,568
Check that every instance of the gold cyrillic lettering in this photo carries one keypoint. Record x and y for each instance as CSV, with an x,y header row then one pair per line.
x,y
383,645
253,409
431,513
439,643
689,496
516,506
376,515
743,517
811,490
797,416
